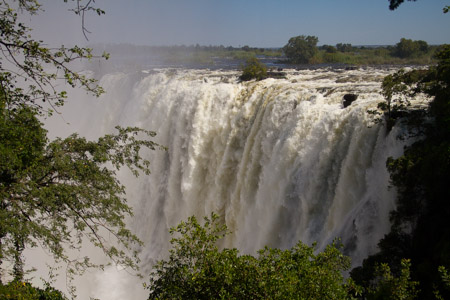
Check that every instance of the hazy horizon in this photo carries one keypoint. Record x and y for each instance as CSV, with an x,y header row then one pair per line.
x,y
262,24
235,47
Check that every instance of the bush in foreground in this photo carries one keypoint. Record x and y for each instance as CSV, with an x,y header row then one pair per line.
x,y
17,290
197,269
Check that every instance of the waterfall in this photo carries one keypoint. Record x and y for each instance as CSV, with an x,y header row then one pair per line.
x,y
280,160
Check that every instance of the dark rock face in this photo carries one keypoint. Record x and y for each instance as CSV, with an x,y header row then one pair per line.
x,y
349,98
276,75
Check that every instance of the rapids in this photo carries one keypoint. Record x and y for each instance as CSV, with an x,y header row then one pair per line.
x,y
280,160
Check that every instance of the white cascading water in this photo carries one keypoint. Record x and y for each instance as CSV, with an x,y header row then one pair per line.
x,y
280,160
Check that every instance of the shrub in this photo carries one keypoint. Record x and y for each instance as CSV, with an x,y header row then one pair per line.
x,y
253,69
17,290
300,49
409,48
197,269
344,47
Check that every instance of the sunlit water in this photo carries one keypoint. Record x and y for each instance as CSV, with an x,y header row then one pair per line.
x,y
280,160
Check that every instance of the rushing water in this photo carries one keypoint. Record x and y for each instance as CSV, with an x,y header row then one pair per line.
x,y
280,160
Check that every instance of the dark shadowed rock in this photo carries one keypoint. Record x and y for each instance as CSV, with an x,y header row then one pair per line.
x,y
276,75
349,98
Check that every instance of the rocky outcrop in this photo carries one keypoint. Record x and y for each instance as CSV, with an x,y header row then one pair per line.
x,y
349,98
276,75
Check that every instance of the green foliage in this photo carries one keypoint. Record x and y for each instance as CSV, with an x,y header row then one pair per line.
x,y
444,276
344,47
26,60
409,48
329,49
197,269
336,57
253,69
57,194
398,89
370,56
421,221
445,283
390,287
301,49
17,290
61,193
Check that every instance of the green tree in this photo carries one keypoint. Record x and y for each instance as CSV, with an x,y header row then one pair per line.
x,y
391,287
17,290
24,61
253,69
420,224
197,269
300,49
445,283
57,194
329,49
408,48
344,47
396,89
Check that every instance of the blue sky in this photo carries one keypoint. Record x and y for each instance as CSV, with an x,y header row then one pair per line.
x,y
257,23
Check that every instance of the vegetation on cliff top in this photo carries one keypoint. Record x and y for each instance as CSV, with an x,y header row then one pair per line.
x,y
421,222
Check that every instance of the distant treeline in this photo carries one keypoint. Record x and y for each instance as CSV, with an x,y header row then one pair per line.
x,y
139,49
299,50
406,51
195,54
304,50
